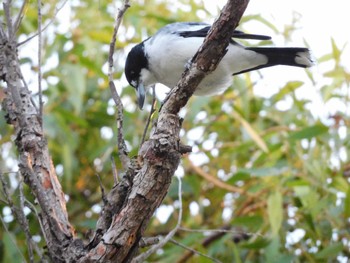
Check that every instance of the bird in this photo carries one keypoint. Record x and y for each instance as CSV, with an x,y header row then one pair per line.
x,y
163,58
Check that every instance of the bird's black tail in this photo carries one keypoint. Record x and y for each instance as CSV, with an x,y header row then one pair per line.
x,y
289,56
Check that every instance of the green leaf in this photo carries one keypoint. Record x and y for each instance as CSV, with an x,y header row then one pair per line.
x,y
325,58
347,204
74,80
273,249
253,222
239,176
251,131
340,184
68,164
327,91
288,88
330,252
261,20
12,252
258,243
309,132
265,171
275,211
336,51
273,253
310,200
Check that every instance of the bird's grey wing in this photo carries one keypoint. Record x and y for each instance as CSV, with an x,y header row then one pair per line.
x,y
242,35
236,34
202,32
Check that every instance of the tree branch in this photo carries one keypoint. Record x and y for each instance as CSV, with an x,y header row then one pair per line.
x,y
217,182
159,157
193,251
149,118
34,160
57,10
123,151
132,202
19,215
141,258
40,74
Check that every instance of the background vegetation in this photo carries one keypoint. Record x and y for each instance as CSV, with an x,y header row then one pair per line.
x,y
276,176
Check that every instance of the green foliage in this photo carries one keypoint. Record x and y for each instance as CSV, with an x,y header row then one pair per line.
x,y
288,164
275,211
10,249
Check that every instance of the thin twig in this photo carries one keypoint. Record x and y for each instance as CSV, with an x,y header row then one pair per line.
x,y
104,198
217,182
153,109
25,225
7,7
20,16
148,241
11,238
47,25
168,237
21,218
2,30
3,201
236,238
117,23
14,211
194,251
31,243
205,243
114,171
123,153
218,231
123,150
35,211
40,47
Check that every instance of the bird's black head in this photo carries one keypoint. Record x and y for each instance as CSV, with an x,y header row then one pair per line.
x,y
135,62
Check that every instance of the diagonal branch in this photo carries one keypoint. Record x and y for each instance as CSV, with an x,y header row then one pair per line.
x,y
193,251
217,182
160,156
141,258
57,10
20,15
147,179
19,215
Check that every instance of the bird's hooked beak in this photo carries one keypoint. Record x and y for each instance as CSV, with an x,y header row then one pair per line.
x,y
141,94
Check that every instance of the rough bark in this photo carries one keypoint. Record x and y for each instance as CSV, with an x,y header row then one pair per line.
x,y
132,202
160,155
34,160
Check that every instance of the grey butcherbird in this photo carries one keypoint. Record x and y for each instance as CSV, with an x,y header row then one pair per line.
x,y
163,57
